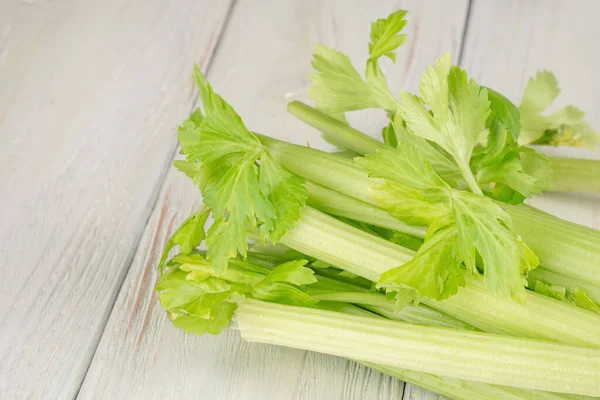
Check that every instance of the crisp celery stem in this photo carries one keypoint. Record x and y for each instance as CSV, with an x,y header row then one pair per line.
x,y
453,388
566,237
574,175
332,202
326,238
563,247
475,356
343,133
466,390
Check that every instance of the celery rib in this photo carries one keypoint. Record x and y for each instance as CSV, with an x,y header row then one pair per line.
x,y
475,356
326,238
575,175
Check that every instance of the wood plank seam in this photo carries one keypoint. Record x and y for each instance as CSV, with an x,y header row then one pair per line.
x,y
465,33
153,200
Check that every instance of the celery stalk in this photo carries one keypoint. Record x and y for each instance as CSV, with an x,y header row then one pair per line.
x,y
326,238
475,356
574,175
454,388
557,264
563,247
466,390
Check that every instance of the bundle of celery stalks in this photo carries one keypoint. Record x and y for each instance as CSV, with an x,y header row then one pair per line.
x,y
414,255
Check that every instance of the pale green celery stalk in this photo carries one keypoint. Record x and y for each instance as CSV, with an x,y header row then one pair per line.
x,y
344,134
332,290
563,247
454,388
335,203
466,390
571,284
323,237
574,174
330,201
475,356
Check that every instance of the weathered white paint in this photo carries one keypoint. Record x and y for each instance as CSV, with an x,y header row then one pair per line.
x,y
90,94
262,63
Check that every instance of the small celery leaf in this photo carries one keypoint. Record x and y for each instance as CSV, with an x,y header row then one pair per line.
x,y
388,133
404,165
563,128
219,319
282,285
434,272
442,165
412,191
513,172
505,112
189,132
484,230
385,37
285,191
236,202
243,186
581,299
293,272
459,108
337,85
188,236
553,291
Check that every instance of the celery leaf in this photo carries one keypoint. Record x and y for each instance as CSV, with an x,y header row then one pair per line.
x,y
459,108
564,127
434,272
188,236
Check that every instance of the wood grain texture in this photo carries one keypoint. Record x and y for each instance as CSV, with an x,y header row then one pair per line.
x,y
90,94
508,41
262,63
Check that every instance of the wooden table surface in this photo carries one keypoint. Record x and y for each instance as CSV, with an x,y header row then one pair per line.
x,y
91,93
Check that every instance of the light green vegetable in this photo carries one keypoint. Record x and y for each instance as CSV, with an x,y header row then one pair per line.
x,y
425,228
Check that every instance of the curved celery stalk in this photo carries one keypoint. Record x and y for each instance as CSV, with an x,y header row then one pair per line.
x,y
326,238
475,356
562,246
575,175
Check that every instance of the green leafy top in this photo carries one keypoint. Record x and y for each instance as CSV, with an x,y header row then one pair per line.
x,y
337,85
199,300
564,127
458,109
243,187
465,229
386,37
450,113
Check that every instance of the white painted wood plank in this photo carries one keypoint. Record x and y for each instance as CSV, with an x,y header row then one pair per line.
x,y
90,93
508,41
263,62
